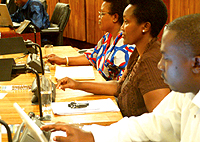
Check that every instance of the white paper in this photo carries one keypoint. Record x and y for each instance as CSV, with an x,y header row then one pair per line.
x,y
77,72
2,95
102,105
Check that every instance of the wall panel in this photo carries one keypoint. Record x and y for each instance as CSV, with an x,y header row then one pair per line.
x,y
75,28
180,8
93,32
83,21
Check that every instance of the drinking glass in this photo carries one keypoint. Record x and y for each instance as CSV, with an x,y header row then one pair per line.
x,y
48,49
46,96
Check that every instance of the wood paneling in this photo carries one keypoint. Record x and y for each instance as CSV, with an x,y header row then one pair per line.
x,y
180,8
93,32
83,21
76,26
51,5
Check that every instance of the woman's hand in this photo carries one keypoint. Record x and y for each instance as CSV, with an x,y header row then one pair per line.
x,y
54,59
66,83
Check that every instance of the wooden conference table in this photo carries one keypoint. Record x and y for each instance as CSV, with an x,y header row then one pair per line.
x,y
23,96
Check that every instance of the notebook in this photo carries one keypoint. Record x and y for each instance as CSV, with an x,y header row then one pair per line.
x,y
5,19
35,131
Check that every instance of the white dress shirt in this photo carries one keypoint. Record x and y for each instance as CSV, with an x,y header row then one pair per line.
x,y
175,119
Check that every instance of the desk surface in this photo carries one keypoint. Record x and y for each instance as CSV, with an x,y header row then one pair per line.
x,y
23,98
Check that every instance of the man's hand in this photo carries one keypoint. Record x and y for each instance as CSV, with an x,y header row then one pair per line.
x,y
73,133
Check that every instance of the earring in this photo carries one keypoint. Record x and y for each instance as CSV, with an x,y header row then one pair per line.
x,y
113,20
143,31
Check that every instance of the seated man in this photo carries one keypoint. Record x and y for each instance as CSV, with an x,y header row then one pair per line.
x,y
177,117
32,10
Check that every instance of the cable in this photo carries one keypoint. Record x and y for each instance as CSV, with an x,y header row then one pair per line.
x,y
8,130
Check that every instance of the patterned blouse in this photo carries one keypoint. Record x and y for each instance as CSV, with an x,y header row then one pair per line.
x,y
110,60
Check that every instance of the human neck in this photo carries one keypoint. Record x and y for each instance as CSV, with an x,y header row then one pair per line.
x,y
142,44
115,30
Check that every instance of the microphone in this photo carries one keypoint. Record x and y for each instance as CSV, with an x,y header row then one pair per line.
x,y
20,69
34,58
34,30
9,68
35,63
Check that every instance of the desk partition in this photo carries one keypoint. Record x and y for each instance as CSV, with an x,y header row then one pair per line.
x,y
7,33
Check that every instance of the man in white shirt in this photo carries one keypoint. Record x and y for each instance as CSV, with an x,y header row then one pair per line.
x,y
177,117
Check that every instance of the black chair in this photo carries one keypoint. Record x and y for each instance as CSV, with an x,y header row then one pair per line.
x,y
54,34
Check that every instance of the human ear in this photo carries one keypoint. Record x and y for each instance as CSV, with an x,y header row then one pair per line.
x,y
146,27
196,64
115,17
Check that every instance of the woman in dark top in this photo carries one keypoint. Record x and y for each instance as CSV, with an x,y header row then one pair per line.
x,y
141,87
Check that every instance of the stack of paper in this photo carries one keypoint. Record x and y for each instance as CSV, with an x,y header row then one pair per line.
x,y
102,105
76,72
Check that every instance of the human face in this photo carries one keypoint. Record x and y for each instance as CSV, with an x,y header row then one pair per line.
x,y
105,19
132,31
175,65
19,3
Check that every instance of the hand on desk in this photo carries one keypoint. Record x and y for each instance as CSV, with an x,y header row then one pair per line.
x,y
54,59
66,83
73,133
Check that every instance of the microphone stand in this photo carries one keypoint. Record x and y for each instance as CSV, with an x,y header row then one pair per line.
x,y
39,93
34,31
37,45
8,130
22,69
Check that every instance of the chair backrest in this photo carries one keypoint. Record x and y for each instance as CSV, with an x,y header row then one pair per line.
x,y
61,15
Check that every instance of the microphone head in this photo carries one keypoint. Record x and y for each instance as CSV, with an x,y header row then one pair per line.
x,y
31,114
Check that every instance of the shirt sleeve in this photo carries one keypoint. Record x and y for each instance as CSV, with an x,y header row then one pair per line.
x,y
17,16
92,54
161,125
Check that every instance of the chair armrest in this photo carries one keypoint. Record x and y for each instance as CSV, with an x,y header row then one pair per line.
x,y
52,28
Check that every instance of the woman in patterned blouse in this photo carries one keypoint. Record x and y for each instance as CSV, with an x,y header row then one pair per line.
x,y
110,56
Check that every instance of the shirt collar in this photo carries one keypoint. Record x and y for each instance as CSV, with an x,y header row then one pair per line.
x,y
196,99
25,6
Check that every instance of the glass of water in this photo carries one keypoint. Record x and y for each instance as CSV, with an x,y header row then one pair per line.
x,y
46,96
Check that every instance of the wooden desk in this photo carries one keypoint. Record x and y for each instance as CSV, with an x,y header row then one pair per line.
x,y
8,33
23,98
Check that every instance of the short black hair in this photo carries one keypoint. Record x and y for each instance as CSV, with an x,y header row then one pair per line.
x,y
187,36
118,6
153,11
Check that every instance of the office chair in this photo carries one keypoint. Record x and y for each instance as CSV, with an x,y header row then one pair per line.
x,y
54,34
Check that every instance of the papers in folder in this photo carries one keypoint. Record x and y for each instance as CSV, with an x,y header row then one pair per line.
x,y
77,72
102,105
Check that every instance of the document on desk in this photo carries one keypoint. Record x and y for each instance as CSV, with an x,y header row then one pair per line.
x,y
75,72
2,95
102,105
